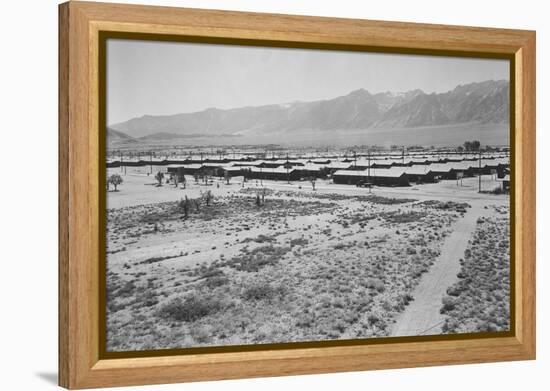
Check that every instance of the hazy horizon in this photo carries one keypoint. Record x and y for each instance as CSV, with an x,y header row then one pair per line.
x,y
162,78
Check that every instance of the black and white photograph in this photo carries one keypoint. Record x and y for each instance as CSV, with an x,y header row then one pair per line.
x,y
268,195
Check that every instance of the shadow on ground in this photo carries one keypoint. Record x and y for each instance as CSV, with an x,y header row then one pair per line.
x,y
48,377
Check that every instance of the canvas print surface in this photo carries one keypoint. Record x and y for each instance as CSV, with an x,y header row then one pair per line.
x,y
262,195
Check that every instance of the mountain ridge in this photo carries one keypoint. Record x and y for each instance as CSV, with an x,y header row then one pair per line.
x,y
481,102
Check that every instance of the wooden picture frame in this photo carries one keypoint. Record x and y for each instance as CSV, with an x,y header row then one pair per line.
x,y
80,179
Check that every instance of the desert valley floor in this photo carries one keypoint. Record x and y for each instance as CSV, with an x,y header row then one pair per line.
x,y
274,262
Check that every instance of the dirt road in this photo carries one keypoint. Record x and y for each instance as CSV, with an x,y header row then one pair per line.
x,y
422,316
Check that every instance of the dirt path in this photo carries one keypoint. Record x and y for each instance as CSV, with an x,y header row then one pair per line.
x,y
422,316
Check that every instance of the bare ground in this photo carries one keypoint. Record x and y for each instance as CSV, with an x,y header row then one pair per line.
x,y
329,264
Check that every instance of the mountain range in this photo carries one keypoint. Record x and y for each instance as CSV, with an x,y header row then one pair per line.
x,y
483,102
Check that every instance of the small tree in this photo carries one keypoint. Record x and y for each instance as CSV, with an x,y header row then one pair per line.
x,y
115,180
472,145
324,172
207,176
159,177
208,197
313,180
184,205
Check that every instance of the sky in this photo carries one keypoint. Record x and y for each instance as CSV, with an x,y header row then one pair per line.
x,y
163,78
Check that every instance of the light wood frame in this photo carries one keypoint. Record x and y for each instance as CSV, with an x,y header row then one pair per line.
x,y
80,23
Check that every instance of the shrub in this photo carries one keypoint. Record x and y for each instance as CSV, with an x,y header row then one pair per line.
x,y
126,290
449,205
216,281
147,299
298,242
158,259
487,327
454,290
375,283
191,308
406,298
305,320
373,319
411,250
339,326
449,326
403,217
260,239
258,258
201,334
211,272
387,200
448,304
113,306
258,292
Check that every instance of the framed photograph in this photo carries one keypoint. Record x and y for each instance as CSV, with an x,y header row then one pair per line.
x,y
247,195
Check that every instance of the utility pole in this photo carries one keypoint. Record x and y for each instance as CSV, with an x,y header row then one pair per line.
x,y
287,172
261,176
479,169
368,173
122,166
